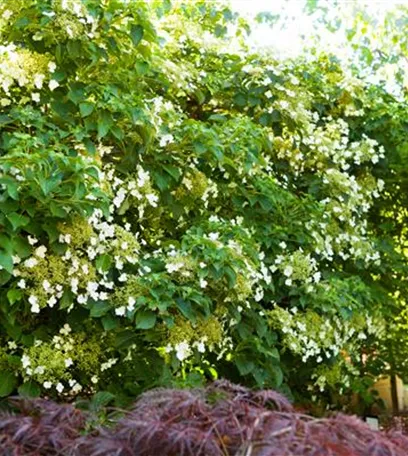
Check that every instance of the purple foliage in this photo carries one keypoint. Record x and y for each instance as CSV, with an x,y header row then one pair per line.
x,y
41,428
222,419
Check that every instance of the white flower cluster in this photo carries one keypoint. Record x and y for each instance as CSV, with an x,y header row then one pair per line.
x,y
311,336
184,350
136,190
21,68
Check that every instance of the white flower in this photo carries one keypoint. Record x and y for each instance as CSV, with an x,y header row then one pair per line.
x,y
259,294
76,388
74,285
40,251
21,283
65,330
203,283
131,303
52,67
183,350
213,236
32,240
33,300
200,346
47,385
288,271
68,362
39,370
39,80
288,282
52,301
282,245
317,276
94,379
53,84
25,361
173,267
122,277
60,387
31,262
153,199
166,139
64,238
120,311
82,299
7,14
35,96
46,285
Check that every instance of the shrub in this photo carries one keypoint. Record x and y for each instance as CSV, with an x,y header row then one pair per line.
x,y
175,208
223,419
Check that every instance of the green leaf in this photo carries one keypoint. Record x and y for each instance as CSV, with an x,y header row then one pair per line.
x,y
186,309
86,109
8,382
66,300
231,276
101,399
142,68
174,171
6,261
17,220
145,319
57,210
200,96
100,308
14,295
278,376
117,132
109,322
104,262
105,121
136,33
240,99
218,118
90,146
6,243
29,389
125,339
244,365
4,119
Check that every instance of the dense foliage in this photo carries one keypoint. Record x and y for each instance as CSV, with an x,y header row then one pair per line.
x,y
223,419
176,208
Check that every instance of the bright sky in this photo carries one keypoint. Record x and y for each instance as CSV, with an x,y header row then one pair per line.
x,y
289,41
264,35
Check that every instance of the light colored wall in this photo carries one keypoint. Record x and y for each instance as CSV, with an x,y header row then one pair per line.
x,y
383,386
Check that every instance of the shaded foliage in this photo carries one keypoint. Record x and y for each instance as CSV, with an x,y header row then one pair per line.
x,y
222,419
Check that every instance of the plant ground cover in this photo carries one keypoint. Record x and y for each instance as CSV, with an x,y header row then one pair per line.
x,y
222,419
176,208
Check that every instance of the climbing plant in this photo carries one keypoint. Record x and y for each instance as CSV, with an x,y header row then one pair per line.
x,y
177,208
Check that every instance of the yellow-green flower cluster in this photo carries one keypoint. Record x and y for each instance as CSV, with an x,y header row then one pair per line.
x,y
59,363
185,337
298,267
